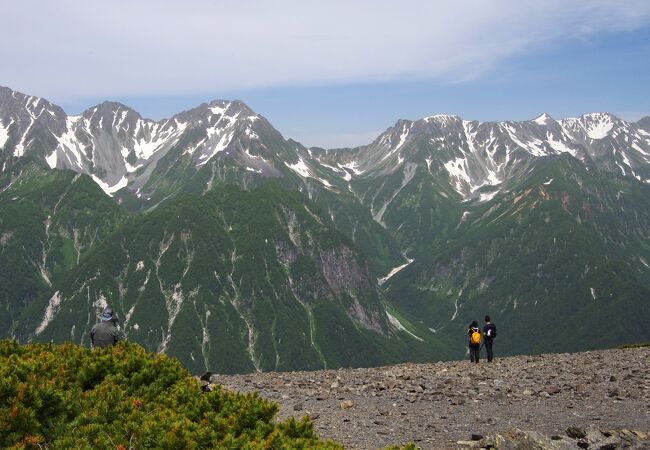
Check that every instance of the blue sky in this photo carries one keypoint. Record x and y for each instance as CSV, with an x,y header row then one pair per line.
x,y
337,76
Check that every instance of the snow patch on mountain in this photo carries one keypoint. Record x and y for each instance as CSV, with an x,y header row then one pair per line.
x,y
300,168
110,189
393,271
224,141
353,167
69,146
20,148
146,147
598,125
402,140
52,159
303,170
543,119
534,146
52,308
129,167
251,134
219,110
487,196
397,324
559,146
4,133
457,170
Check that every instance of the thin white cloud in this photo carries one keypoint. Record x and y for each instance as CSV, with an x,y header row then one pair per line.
x,y
81,48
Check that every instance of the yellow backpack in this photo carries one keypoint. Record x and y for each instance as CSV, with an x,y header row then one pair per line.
x,y
475,338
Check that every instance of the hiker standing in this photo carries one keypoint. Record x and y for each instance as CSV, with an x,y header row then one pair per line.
x,y
489,332
106,333
474,341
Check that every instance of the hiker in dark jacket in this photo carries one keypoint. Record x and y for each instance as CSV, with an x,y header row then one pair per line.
x,y
489,333
106,332
474,335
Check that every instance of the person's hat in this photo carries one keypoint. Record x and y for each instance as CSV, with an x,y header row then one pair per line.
x,y
107,314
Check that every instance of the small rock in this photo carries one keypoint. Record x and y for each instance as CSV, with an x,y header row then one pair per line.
x,y
334,385
297,407
205,376
477,437
582,443
314,416
527,392
346,404
552,390
575,432
612,378
612,392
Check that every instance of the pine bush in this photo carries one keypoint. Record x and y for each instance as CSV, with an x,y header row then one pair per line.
x,y
123,397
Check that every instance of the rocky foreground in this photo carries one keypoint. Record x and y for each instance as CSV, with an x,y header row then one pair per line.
x,y
447,404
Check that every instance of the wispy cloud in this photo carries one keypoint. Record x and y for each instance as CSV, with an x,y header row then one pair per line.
x,y
82,48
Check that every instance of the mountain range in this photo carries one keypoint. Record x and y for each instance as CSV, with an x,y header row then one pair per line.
x,y
221,242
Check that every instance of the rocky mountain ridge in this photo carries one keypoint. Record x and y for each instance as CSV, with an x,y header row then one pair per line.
x,y
443,405
121,150
236,237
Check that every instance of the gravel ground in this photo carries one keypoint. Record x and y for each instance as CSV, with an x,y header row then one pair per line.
x,y
436,405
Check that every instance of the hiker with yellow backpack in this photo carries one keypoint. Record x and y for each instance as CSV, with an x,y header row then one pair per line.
x,y
474,341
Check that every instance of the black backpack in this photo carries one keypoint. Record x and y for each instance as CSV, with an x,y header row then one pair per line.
x,y
492,332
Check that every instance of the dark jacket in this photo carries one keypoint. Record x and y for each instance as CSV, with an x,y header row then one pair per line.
x,y
104,334
486,328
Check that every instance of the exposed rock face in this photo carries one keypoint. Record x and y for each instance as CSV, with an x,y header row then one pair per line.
x,y
507,404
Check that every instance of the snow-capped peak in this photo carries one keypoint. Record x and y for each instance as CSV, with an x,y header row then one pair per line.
x,y
598,125
543,119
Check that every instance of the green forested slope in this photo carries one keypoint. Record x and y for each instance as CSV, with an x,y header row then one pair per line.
x,y
559,261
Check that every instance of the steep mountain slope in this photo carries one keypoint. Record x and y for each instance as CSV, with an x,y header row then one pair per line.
x,y
142,163
413,176
560,261
249,251
49,220
232,281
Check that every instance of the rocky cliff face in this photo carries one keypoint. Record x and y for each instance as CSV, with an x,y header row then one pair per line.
x,y
580,400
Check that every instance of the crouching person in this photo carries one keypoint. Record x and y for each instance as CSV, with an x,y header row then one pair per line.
x,y
106,332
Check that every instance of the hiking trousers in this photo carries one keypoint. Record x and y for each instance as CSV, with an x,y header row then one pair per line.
x,y
488,348
474,351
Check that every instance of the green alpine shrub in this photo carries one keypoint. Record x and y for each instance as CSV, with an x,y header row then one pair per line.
x,y
123,397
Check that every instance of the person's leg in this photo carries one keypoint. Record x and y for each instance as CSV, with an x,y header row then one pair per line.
x,y
488,348
471,353
478,352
